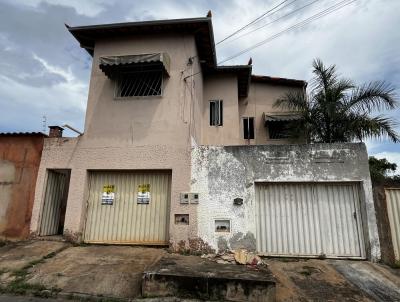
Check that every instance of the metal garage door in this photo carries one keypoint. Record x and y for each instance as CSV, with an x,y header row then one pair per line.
x,y
309,219
393,208
126,218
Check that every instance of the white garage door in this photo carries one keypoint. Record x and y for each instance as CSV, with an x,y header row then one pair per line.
x,y
128,207
309,219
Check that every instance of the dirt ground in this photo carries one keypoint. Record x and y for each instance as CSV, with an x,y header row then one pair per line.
x,y
50,269
327,280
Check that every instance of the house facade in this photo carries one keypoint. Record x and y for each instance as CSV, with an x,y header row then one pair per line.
x,y
179,151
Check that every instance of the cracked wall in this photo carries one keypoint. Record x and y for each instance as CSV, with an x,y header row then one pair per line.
x,y
221,174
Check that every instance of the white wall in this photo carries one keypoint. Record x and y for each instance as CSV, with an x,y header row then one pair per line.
x,y
221,174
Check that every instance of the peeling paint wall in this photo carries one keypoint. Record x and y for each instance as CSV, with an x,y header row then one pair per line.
x,y
221,174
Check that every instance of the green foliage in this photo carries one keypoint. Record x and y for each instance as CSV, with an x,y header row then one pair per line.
x,y
380,168
336,110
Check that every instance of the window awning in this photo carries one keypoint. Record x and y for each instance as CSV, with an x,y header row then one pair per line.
x,y
112,65
281,117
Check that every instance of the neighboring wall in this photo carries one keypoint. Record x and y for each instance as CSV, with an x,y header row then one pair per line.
x,y
385,232
261,99
19,164
220,174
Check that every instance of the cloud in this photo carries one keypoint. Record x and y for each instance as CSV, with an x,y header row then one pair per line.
x,y
44,71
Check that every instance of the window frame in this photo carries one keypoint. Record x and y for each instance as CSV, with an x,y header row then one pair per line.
x,y
220,113
281,138
247,118
123,98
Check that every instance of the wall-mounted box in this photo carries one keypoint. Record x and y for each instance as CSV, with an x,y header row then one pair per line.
x,y
182,219
194,198
238,201
185,198
222,225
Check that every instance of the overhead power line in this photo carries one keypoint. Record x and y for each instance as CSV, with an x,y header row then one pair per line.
x,y
317,16
252,22
273,21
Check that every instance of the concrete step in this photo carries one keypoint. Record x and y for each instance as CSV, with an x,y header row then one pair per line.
x,y
192,277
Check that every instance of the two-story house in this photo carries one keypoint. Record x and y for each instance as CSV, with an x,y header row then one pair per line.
x,y
179,151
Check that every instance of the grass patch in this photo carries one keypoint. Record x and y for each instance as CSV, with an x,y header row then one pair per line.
x,y
308,270
396,264
3,271
20,286
93,298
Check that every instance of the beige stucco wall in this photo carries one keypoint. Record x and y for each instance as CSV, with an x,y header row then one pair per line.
x,y
81,154
221,87
145,120
261,98
134,133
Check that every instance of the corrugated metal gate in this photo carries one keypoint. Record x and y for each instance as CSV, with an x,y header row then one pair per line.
x,y
393,206
54,202
309,219
126,221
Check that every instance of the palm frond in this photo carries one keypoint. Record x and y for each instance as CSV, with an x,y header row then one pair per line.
x,y
364,126
372,96
324,76
293,101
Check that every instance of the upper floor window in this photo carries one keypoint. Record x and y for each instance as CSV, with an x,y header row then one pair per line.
x,y
248,127
136,75
216,113
279,130
139,83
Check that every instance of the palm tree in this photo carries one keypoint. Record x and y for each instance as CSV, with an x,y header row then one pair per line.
x,y
336,110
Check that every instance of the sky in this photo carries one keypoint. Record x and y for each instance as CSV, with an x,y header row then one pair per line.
x,y
44,72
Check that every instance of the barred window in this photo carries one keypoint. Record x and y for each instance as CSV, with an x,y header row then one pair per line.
x,y
279,130
139,83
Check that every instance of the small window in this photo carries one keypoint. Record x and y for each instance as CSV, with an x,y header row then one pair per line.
x,y
248,127
279,130
139,83
216,113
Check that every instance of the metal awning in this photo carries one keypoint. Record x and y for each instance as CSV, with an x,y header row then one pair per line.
x,y
112,65
278,117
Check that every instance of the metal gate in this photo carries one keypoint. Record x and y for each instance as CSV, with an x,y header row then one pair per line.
x,y
309,219
126,218
393,207
55,197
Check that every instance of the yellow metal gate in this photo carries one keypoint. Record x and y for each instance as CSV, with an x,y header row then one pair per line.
x,y
128,207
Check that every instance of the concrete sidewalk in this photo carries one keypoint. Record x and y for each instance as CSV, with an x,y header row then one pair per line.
x,y
52,269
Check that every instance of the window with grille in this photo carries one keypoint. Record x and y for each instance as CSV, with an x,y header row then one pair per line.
x,y
216,113
248,127
279,130
139,83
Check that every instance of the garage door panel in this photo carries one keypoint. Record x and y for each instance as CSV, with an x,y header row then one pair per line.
x,y
126,221
309,219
